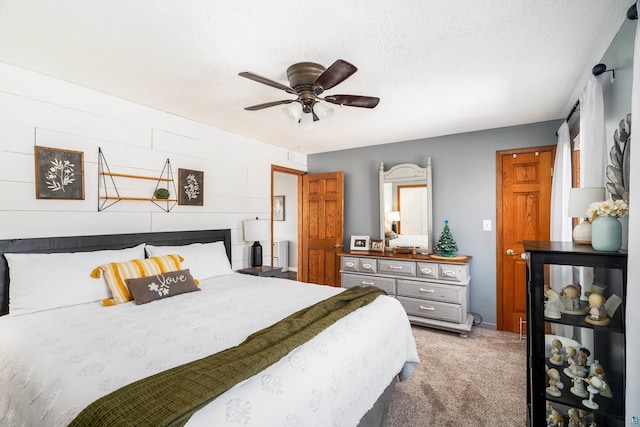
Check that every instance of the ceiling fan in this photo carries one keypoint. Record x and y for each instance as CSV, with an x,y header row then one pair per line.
x,y
307,81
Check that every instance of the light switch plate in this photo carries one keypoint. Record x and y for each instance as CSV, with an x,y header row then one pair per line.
x,y
486,225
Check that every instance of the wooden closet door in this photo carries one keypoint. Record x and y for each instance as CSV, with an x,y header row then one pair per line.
x,y
524,201
322,227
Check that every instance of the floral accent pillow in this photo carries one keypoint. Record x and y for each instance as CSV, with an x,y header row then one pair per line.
x,y
159,286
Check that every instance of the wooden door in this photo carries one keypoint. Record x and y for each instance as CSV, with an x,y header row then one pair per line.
x,y
322,227
412,204
523,213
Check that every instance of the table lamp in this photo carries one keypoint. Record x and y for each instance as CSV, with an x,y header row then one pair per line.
x,y
579,201
394,217
256,230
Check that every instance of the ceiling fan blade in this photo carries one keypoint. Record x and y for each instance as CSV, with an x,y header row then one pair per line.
x,y
268,104
338,72
252,76
353,100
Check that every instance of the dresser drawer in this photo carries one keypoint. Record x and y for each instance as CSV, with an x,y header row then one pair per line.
x,y
367,265
431,291
349,263
386,284
428,270
397,268
432,309
453,272
364,265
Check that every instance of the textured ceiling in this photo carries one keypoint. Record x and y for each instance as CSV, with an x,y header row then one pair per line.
x,y
439,67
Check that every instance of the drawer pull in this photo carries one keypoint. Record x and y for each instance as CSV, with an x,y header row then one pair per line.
x,y
365,282
395,267
367,265
449,273
429,291
422,307
426,271
350,264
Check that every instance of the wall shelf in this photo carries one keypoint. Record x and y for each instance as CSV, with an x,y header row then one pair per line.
x,y
109,196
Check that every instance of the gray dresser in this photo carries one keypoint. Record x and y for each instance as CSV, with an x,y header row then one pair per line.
x,y
434,292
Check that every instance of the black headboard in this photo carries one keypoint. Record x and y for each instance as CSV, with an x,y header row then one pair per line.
x,y
100,242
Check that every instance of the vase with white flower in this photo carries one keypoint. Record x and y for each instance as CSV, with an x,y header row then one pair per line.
x,y
606,229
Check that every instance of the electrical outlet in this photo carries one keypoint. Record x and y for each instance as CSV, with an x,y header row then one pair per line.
x,y
486,225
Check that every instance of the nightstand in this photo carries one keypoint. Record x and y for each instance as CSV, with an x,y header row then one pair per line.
x,y
264,271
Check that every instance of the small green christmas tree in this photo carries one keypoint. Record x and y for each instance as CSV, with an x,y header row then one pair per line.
x,y
446,246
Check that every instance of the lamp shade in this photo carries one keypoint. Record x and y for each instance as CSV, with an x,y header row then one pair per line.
x,y
256,230
581,198
322,111
394,216
293,112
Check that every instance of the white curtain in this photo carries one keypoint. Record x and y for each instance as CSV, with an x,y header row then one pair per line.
x,y
633,274
593,158
561,226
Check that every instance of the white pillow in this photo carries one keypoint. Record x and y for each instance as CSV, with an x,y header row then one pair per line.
x,y
45,281
204,260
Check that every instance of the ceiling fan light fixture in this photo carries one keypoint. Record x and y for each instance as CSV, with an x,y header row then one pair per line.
x,y
293,112
306,122
322,111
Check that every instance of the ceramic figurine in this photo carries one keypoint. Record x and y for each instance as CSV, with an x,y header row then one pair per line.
x,y
554,306
556,357
580,369
597,370
570,351
593,388
574,418
570,297
555,419
596,316
578,387
554,379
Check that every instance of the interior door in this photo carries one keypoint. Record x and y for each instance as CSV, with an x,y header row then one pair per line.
x,y
412,203
322,227
523,213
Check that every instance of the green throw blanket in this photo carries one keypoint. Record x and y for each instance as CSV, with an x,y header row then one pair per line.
x,y
169,398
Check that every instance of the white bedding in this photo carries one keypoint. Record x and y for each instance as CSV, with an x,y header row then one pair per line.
x,y
54,363
415,240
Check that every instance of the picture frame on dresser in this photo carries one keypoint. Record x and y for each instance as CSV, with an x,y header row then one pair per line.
x,y
376,245
359,243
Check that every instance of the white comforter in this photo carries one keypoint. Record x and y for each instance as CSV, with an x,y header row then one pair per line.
x,y
56,362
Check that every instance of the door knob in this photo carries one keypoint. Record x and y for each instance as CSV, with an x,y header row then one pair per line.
x,y
510,252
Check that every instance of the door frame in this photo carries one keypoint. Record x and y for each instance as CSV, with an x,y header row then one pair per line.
x,y
299,173
500,221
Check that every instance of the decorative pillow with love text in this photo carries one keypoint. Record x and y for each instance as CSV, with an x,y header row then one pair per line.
x,y
159,286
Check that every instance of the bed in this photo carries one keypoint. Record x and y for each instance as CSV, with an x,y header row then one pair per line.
x,y
61,350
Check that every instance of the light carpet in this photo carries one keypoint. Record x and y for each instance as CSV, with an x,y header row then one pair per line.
x,y
477,381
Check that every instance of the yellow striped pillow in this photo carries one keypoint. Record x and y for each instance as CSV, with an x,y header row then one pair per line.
x,y
117,273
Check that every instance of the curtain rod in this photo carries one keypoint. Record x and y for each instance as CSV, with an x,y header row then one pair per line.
x,y
573,110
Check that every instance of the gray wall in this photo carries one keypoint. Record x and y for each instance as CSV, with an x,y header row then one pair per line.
x,y
464,191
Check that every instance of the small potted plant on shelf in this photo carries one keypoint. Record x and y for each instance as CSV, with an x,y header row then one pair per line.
x,y
161,193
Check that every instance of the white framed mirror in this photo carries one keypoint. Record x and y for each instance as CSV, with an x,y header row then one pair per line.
x,y
406,218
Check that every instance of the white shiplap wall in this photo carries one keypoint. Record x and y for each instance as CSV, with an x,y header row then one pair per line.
x,y
39,110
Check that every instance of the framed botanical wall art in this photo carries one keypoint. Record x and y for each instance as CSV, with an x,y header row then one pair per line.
x,y
59,173
190,187
278,208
